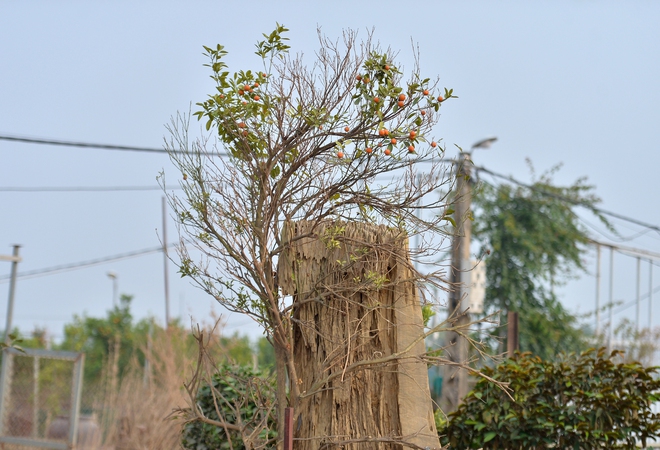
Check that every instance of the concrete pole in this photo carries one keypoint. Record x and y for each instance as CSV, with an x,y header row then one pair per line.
x,y
512,335
146,380
455,385
650,294
113,276
35,395
15,259
639,298
115,292
597,290
611,324
165,259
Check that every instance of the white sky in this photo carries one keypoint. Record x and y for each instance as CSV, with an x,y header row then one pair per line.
x,y
557,81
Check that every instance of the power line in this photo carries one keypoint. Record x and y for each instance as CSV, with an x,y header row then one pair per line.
x,y
83,264
568,200
43,141
630,251
615,238
624,250
624,306
478,168
130,148
83,188
82,144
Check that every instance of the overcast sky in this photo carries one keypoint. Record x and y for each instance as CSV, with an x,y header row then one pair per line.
x,y
572,82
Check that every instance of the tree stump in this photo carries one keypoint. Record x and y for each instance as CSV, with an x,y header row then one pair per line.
x,y
358,332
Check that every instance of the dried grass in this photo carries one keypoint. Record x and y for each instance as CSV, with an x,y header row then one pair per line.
x,y
138,415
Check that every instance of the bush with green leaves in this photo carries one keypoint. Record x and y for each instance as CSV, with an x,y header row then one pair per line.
x,y
240,397
584,401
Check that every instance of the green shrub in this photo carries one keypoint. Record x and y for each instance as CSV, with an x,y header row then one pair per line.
x,y
235,389
581,401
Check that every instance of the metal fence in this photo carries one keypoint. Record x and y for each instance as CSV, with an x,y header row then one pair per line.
x,y
40,399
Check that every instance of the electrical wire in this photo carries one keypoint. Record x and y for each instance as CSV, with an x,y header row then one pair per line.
x,y
478,168
622,250
84,188
80,265
157,150
619,239
82,144
568,200
624,306
131,148
42,141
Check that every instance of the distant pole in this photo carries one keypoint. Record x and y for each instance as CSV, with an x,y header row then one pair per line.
x,y
15,259
146,381
165,259
113,277
611,324
512,336
639,298
597,290
35,396
455,386
650,293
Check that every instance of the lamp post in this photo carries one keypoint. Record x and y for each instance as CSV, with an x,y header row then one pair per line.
x,y
15,259
484,143
113,277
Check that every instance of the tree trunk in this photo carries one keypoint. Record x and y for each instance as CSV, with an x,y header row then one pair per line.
x,y
357,338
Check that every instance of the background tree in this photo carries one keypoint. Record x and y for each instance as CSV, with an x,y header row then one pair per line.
x,y
309,150
116,344
150,366
265,354
536,242
101,338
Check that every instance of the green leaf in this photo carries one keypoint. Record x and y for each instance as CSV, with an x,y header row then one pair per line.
x,y
489,436
450,220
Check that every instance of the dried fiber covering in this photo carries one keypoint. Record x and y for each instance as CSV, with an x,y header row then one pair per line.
x,y
355,305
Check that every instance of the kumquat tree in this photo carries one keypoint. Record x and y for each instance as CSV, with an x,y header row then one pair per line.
x,y
297,210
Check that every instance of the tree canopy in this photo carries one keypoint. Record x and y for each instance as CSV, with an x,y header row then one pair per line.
x,y
536,242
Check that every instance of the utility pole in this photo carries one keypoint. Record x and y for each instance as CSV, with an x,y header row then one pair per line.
x,y
611,324
15,259
165,258
650,294
597,290
455,382
512,335
455,385
113,276
639,296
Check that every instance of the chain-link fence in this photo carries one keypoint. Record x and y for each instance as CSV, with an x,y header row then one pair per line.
x,y
40,400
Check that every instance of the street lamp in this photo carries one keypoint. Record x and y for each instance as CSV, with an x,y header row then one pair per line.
x,y
484,143
113,276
